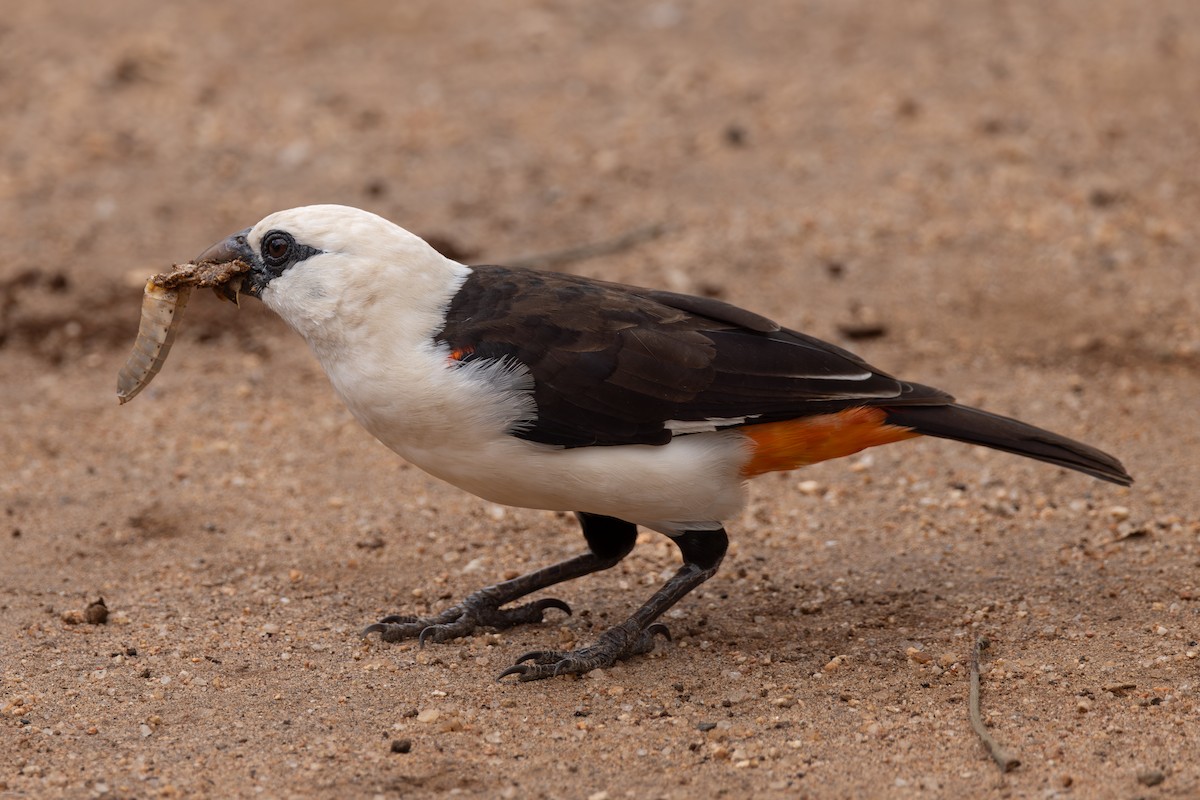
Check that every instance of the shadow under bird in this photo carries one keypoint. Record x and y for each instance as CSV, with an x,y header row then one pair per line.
x,y
626,406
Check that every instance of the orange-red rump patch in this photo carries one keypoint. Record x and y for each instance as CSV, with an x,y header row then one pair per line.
x,y
795,443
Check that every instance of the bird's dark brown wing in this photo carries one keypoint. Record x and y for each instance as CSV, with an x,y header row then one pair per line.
x,y
615,364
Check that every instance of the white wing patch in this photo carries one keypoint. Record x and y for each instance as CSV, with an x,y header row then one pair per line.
x,y
837,376
682,427
509,390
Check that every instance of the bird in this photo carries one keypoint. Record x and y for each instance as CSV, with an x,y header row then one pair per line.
x,y
629,407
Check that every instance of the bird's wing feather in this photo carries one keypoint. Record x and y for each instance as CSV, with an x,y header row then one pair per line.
x,y
614,364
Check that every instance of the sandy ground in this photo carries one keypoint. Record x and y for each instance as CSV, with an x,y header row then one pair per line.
x,y
1008,191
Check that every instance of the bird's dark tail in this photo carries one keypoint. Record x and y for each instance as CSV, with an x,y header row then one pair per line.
x,y
966,424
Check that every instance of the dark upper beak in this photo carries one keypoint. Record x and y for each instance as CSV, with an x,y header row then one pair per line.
x,y
233,248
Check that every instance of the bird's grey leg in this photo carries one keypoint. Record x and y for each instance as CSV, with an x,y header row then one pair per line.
x,y
609,540
702,553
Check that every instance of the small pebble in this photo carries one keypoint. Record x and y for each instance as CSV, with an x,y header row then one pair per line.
x,y
835,663
96,613
401,745
428,715
705,726
1151,777
919,656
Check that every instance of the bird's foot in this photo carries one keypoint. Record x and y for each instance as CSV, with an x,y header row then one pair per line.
x,y
614,645
480,610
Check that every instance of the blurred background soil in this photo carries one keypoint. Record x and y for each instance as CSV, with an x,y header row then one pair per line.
x,y
997,198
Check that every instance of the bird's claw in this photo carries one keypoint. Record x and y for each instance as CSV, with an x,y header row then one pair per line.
x,y
614,645
477,611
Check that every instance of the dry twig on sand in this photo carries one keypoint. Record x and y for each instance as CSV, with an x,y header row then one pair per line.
x,y
1006,762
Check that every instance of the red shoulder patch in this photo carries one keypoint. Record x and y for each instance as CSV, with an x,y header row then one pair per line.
x,y
459,353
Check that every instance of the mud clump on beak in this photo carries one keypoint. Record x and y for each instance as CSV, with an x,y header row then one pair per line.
x,y
163,301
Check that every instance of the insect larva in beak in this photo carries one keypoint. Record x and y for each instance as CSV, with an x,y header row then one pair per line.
x,y
162,304
161,310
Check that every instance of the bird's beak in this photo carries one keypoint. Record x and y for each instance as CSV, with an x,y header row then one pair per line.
x,y
233,248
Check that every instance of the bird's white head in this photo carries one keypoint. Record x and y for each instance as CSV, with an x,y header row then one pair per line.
x,y
331,271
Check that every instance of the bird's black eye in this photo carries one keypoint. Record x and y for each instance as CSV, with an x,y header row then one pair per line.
x,y
276,247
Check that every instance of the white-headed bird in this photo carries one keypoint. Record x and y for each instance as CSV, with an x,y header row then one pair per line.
x,y
626,406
